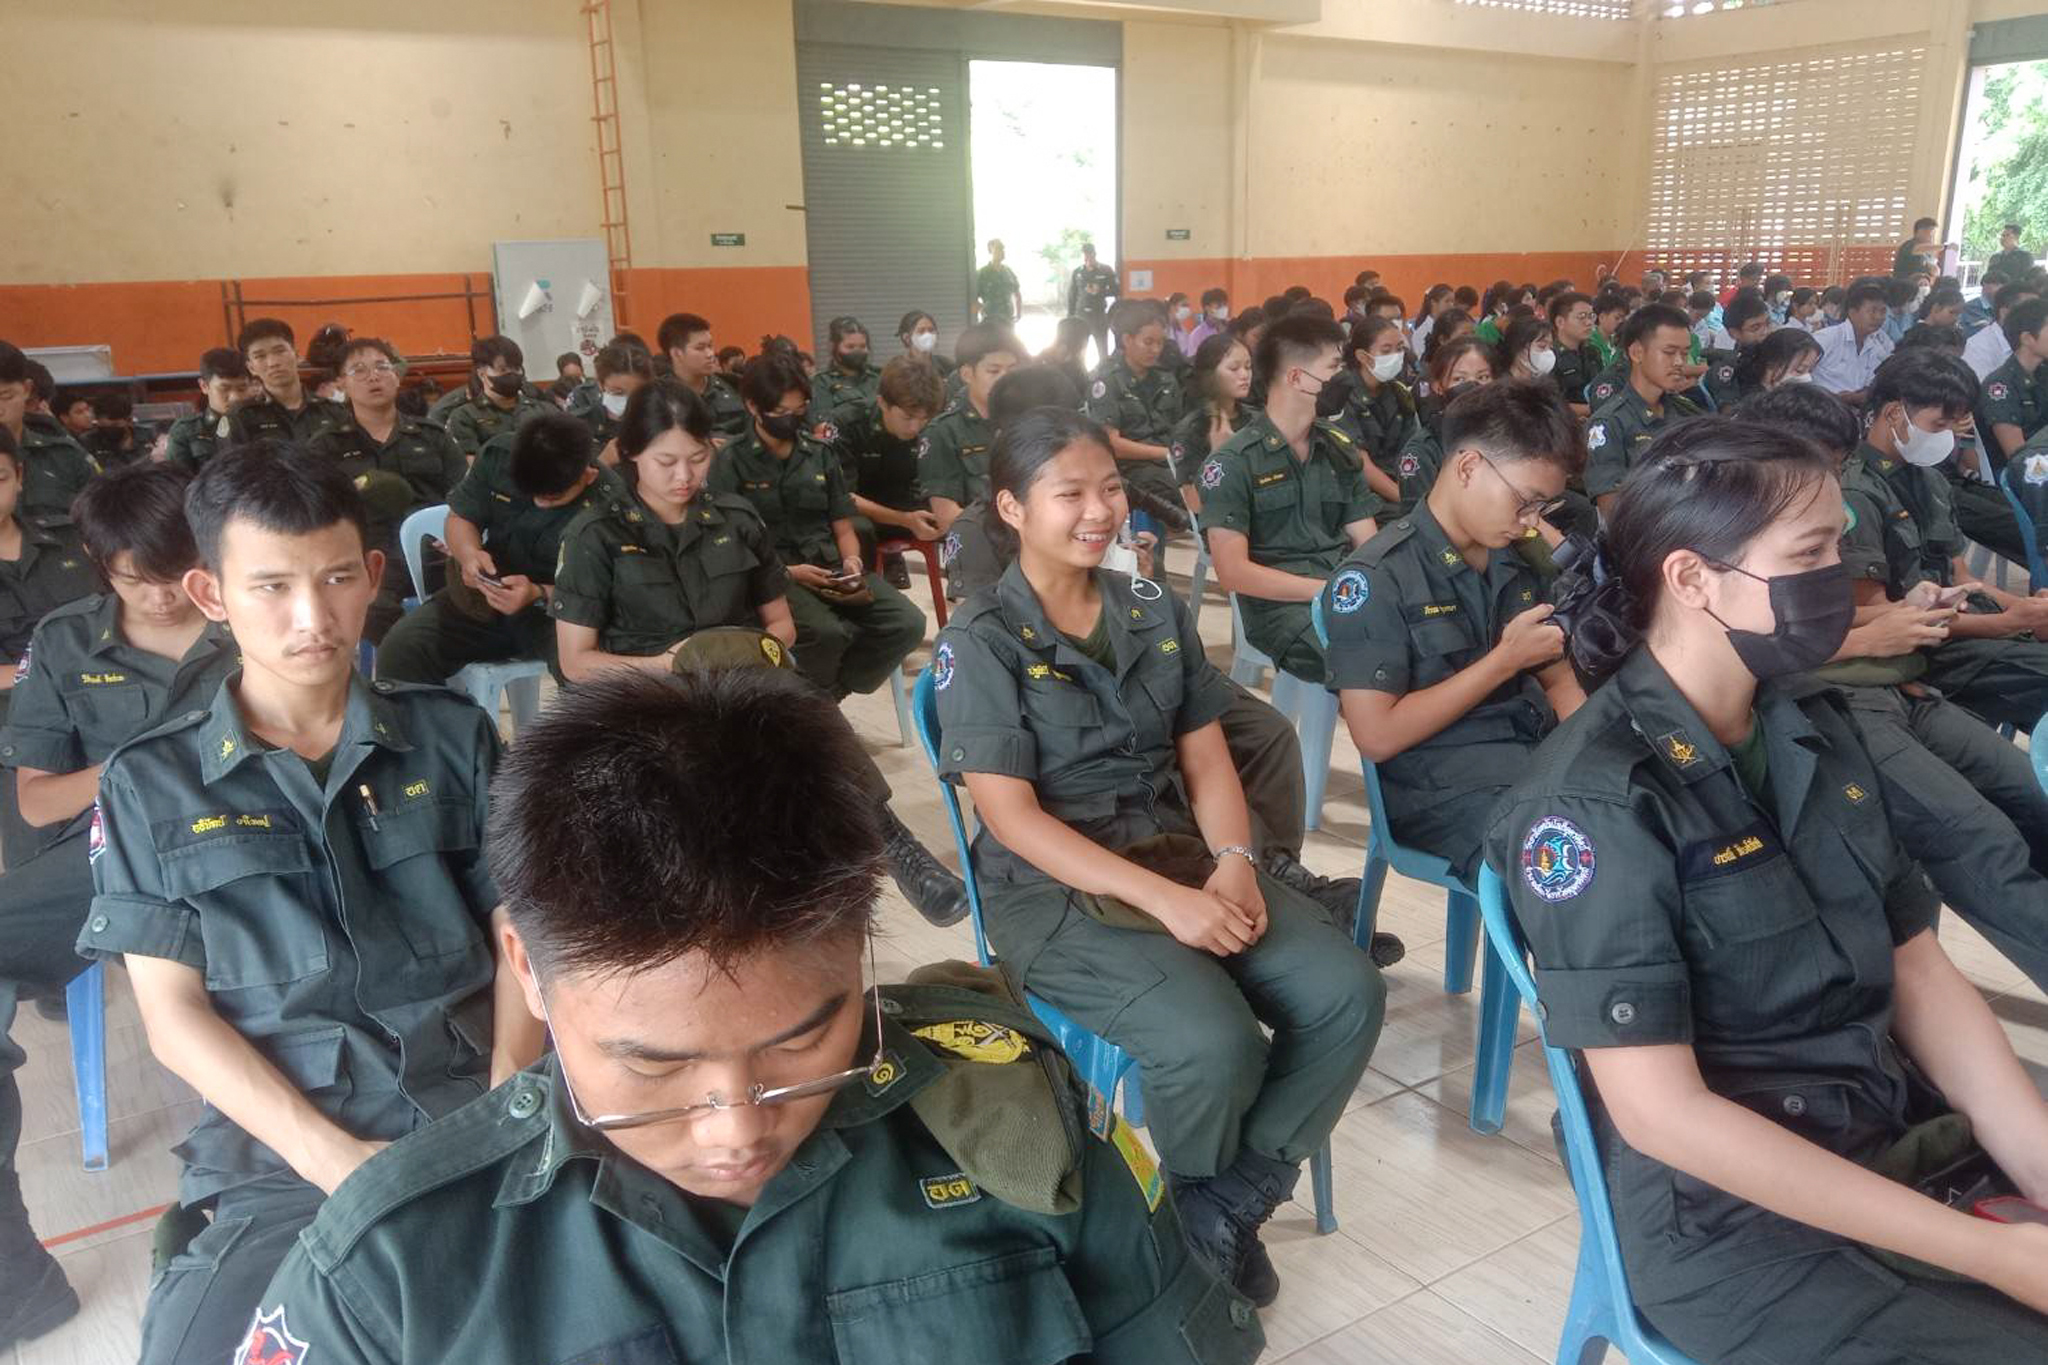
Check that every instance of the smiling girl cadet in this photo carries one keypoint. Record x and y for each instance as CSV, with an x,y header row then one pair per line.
x,y
1079,711
1799,1099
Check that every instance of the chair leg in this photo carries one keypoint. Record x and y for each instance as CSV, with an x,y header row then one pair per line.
x,y
1590,1320
1317,731
900,686
85,1000
1325,1192
1461,942
1369,888
1500,1008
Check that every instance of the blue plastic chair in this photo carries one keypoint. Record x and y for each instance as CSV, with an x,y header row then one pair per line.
x,y
85,1002
517,680
1101,1064
1603,1311
1499,1007
1312,708
2037,568
2037,751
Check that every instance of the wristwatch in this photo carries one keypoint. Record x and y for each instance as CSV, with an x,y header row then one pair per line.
x,y
1240,850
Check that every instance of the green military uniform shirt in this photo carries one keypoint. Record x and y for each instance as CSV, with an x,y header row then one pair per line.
x,y
835,394
1608,382
1381,422
1090,290
197,437
1618,432
799,498
1924,543
1575,371
1142,410
1189,445
996,288
952,455
1293,511
477,421
2015,263
2013,396
1419,461
523,537
55,470
426,457
266,419
878,466
1880,542
871,1245
343,931
729,415
642,584
1719,382
51,571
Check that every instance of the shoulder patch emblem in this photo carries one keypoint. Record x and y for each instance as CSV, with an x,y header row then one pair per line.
x,y
2037,469
1997,393
96,836
924,445
1411,465
942,666
1557,859
1212,475
1849,517
1856,794
270,1341
1145,590
976,1040
949,549
1349,591
1679,749
22,667
1596,436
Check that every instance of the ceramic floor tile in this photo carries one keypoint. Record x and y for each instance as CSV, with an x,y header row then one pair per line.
x,y
1521,1291
1422,1329
2026,1022
1326,1282
64,1198
1531,1101
136,1083
112,1281
1428,1032
1976,958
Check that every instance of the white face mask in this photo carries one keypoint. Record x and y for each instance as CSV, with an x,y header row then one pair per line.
x,y
1782,298
926,342
1220,313
1797,379
1924,448
1386,367
1542,362
615,404
1183,313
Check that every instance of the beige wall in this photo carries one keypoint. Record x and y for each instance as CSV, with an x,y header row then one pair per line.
x,y
206,138
1179,107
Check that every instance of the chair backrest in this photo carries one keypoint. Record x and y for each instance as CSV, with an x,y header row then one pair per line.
x,y
2020,494
413,533
924,710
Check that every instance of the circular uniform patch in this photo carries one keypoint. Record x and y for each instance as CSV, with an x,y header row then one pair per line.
x,y
1100,389
771,650
1349,591
21,669
1411,465
1726,374
1557,859
942,666
827,432
1997,393
1212,475
949,549
924,444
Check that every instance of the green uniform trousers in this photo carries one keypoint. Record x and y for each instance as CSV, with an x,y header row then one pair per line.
x,y
2005,682
1267,754
1285,633
845,648
1965,804
1212,1082
1454,829
434,642
202,1299
42,909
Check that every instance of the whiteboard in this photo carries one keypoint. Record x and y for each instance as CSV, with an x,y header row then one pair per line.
x,y
563,286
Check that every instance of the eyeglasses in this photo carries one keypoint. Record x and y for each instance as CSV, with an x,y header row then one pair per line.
x,y
758,1095
1529,507
380,369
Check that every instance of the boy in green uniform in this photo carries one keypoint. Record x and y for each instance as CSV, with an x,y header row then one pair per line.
x,y
1139,400
1657,341
1918,253
197,437
1285,499
292,875
54,466
286,410
1573,329
101,668
499,401
878,443
2011,259
734,1152
1089,292
2016,393
952,456
504,532
996,296
852,627
685,339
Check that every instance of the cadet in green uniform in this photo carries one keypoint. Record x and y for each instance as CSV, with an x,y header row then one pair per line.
x,y
1078,709
997,298
685,339
952,455
1219,384
286,410
54,467
2011,259
919,333
1379,410
504,534
499,400
1090,290
1137,399
1918,253
198,436
1964,802
622,370
1572,326
877,443
1285,499
2016,393
293,875
1442,649
735,1153
102,668
852,627
1456,367
1657,340
849,380
1724,925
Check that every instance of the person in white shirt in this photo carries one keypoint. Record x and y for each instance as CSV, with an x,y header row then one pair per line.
x,y
1988,347
1852,349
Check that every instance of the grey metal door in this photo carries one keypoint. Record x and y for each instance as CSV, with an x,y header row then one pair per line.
x,y
885,187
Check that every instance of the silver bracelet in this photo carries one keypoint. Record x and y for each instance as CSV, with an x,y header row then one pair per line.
x,y
1241,851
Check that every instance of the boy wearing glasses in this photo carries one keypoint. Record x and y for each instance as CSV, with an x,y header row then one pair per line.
x,y
735,1152
1447,665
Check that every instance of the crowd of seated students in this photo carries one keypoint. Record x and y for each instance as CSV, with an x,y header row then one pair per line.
x,y
1618,587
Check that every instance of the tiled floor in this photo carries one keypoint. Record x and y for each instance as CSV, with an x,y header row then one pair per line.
x,y
1454,1249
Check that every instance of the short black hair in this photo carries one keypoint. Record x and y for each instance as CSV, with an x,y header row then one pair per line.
x,y
725,812
140,511
623,357
550,451
1743,309
1924,378
111,405
262,329
2013,228
487,351
356,345
1212,297
223,362
1032,386
13,364
1516,419
1919,223
280,486
677,329
1131,316
9,449
983,340
568,358
1564,300
662,406
1292,340
1700,298
1863,292
41,382
1647,321
1357,293
769,376
1938,337
726,353
67,399
2025,319
1807,411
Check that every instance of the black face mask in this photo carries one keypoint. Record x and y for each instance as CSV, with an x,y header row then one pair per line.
x,y
506,385
783,426
1330,399
1814,611
853,362
1457,391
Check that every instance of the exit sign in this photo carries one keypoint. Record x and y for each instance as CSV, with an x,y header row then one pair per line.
x,y
728,239
1177,234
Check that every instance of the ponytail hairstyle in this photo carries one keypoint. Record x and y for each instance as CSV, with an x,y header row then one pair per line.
x,y
1023,448
1363,333
1711,485
1437,294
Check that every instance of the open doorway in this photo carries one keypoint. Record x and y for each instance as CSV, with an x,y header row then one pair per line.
x,y
1043,161
2002,173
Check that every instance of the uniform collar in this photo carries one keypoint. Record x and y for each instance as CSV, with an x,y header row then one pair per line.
x,y
369,719
1667,722
1877,461
1444,556
1125,612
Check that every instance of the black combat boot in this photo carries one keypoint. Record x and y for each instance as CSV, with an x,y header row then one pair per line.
x,y
34,1295
938,895
1338,895
1221,1218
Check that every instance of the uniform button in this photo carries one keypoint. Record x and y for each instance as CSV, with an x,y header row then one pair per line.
x,y
1241,1314
1623,1013
99,924
891,1006
1795,1105
959,755
525,1101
